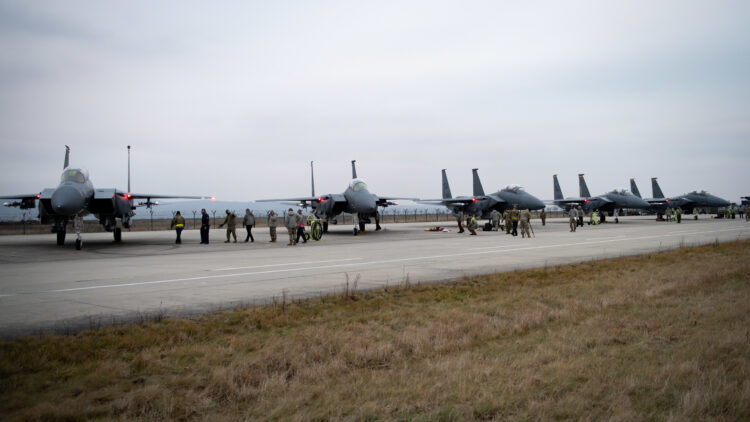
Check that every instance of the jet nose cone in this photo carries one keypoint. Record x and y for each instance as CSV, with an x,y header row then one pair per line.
x,y
67,200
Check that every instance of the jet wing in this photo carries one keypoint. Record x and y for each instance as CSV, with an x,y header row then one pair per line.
x,y
384,201
304,199
160,196
25,201
452,201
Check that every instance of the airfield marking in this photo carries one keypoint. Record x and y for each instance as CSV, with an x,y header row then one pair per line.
x,y
281,265
386,261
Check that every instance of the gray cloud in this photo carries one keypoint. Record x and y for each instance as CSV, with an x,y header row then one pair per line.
x,y
235,99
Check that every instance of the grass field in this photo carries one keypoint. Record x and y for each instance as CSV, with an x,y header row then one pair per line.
x,y
656,337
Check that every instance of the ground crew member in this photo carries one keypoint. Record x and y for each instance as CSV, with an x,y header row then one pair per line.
x,y
543,216
205,225
495,218
678,213
460,218
178,223
249,221
229,220
580,216
573,218
290,222
595,218
471,224
668,214
747,212
506,219
514,216
272,222
300,227
525,223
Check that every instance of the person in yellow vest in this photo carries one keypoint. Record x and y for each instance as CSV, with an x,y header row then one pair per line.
x,y
178,223
230,222
678,214
471,224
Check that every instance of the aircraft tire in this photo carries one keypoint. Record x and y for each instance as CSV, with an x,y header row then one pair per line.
x,y
361,227
356,231
60,236
325,227
79,244
118,234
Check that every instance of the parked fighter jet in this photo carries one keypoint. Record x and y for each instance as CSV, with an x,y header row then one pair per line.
x,y
356,200
75,198
481,205
609,202
687,202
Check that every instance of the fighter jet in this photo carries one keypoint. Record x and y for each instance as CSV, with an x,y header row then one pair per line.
x,y
609,202
75,197
356,200
687,202
481,205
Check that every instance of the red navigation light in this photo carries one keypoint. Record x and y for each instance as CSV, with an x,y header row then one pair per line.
x,y
473,199
128,196
586,201
667,200
213,198
321,199
38,196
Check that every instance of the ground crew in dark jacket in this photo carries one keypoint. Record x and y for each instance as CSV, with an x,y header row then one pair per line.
x,y
272,222
230,222
249,221
543,216
290,222
205,225
178,223
300,227
514,215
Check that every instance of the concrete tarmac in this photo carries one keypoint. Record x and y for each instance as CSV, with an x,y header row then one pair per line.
x,y
44,287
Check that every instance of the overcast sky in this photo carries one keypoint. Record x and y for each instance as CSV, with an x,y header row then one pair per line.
x,y
234,99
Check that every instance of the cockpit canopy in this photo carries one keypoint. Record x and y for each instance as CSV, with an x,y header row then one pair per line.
x,y
515,189
74,175
622,192
357,185
702,193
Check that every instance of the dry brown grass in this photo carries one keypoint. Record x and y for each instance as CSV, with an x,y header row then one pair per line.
x,y
661,337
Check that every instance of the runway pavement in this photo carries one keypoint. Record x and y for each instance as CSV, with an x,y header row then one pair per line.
x,y
47,287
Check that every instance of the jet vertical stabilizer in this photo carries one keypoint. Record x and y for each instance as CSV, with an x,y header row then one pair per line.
x,y
67,157
354,169
582,188
655,189
478,189
446,187
634,188
558,191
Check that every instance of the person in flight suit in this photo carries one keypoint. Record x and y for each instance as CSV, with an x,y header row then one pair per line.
x,y
543,216
205,225
290,222
272,223
459,219
506,219
525,223
178,223
495,218
230,222
573,218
